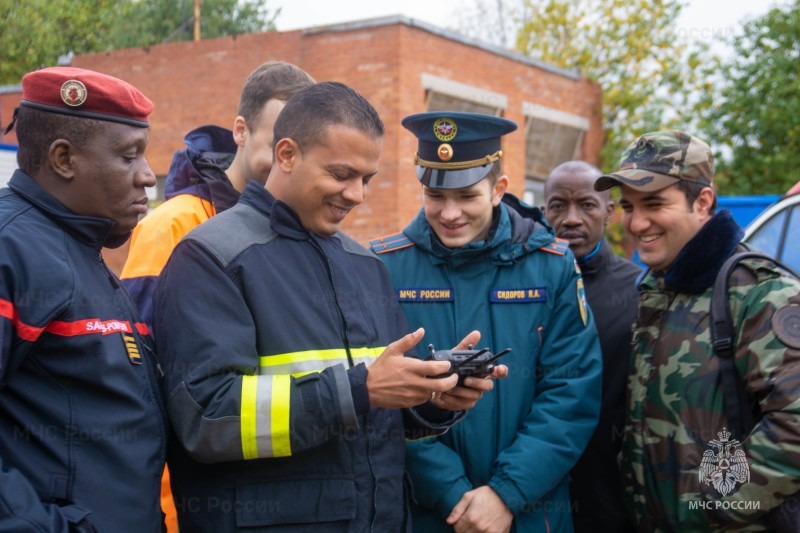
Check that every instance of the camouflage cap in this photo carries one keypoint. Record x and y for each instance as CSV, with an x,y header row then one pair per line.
x,y
659,159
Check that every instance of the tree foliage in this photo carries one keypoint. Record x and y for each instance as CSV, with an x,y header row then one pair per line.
x,y
631,47
36,32
751,110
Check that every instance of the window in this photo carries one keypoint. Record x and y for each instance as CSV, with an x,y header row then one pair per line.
x,y
448,95
791,254
551,137
767,238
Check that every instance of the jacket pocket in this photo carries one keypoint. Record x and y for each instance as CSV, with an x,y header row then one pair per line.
x,y
302,501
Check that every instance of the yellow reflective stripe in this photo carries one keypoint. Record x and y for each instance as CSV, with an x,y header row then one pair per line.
x,y
248,417
281,443
366,355
301,363
265,416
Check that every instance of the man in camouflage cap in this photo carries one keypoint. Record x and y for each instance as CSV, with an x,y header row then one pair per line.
x,y
681,466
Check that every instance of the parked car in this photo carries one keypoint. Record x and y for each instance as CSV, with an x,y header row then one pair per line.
x,y
777,227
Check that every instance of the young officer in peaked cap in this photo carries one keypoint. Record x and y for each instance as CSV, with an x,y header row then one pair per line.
x,y
82,423
475,257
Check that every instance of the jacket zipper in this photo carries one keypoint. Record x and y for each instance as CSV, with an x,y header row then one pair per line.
x,y
346,340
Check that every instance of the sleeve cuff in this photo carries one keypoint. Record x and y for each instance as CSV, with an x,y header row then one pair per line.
x,y
358,388
513,498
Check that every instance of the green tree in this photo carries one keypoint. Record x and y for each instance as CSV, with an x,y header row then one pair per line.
x,y
631,47
146,22
750,112
34,33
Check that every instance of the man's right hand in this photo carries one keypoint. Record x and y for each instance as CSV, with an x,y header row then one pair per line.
x,y
397,381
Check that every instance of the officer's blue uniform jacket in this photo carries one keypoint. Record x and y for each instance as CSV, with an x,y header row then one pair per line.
x,y
521,290
266,332
82,425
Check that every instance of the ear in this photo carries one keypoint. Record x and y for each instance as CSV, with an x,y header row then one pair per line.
x,y
704,200
609,212
287,154
499,190
61,156
240,131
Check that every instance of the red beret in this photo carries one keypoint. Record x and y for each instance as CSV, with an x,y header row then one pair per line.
x,y
85,93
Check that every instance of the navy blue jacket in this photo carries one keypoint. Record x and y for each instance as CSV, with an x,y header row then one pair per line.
x,y
82,425
266,332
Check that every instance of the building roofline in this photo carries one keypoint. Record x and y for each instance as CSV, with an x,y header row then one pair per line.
x,y
10,89
446,34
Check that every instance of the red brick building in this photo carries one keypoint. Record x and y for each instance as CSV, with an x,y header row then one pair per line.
x,y
401,66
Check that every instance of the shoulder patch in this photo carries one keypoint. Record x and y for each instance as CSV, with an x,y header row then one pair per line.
x,y
786,325
391,243
557,247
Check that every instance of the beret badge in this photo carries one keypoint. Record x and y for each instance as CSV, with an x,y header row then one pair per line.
x,y
73,93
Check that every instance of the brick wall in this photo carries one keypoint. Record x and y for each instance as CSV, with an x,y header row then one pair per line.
x,y
197,83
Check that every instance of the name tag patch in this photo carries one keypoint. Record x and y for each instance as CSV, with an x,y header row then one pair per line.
x,y
524,295
425,295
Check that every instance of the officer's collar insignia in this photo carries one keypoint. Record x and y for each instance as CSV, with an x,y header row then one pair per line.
x,y
73,93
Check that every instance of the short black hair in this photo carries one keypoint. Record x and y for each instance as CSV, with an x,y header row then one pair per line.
x,y
691,191
37,130
310,112
273,80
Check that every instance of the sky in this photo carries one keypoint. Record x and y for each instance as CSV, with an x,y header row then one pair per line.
x,y
700,19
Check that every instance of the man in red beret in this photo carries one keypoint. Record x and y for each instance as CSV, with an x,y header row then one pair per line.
x,y
82,425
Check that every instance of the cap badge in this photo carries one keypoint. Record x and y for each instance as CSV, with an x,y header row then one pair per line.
x,y
73,93
445,129
445,152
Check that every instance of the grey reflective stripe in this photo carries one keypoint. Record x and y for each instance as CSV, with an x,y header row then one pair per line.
x,y
348,409
300,367
305,362
367,360
264,417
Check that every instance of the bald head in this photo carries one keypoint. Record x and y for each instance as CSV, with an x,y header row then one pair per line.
x,y
576,211
572,169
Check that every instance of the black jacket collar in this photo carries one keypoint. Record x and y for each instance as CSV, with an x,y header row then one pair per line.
x,y
93,231
283,219
598,261
697,264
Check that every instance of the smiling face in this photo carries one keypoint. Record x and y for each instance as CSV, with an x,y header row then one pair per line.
x,y
662,222
326,180
110,174
461,216
576,211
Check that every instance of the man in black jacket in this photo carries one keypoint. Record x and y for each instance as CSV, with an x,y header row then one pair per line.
x,y
283,343
82,421
580,215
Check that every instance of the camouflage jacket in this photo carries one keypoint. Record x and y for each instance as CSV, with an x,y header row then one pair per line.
x,y
681,469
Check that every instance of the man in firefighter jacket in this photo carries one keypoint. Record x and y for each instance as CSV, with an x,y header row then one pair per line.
x,y
284,345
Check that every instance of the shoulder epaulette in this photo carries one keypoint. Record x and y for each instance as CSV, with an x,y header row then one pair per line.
x,y
558,247
391,243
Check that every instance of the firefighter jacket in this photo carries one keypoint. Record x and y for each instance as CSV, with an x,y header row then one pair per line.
x,y
267,332
196,189
522,290
82,422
